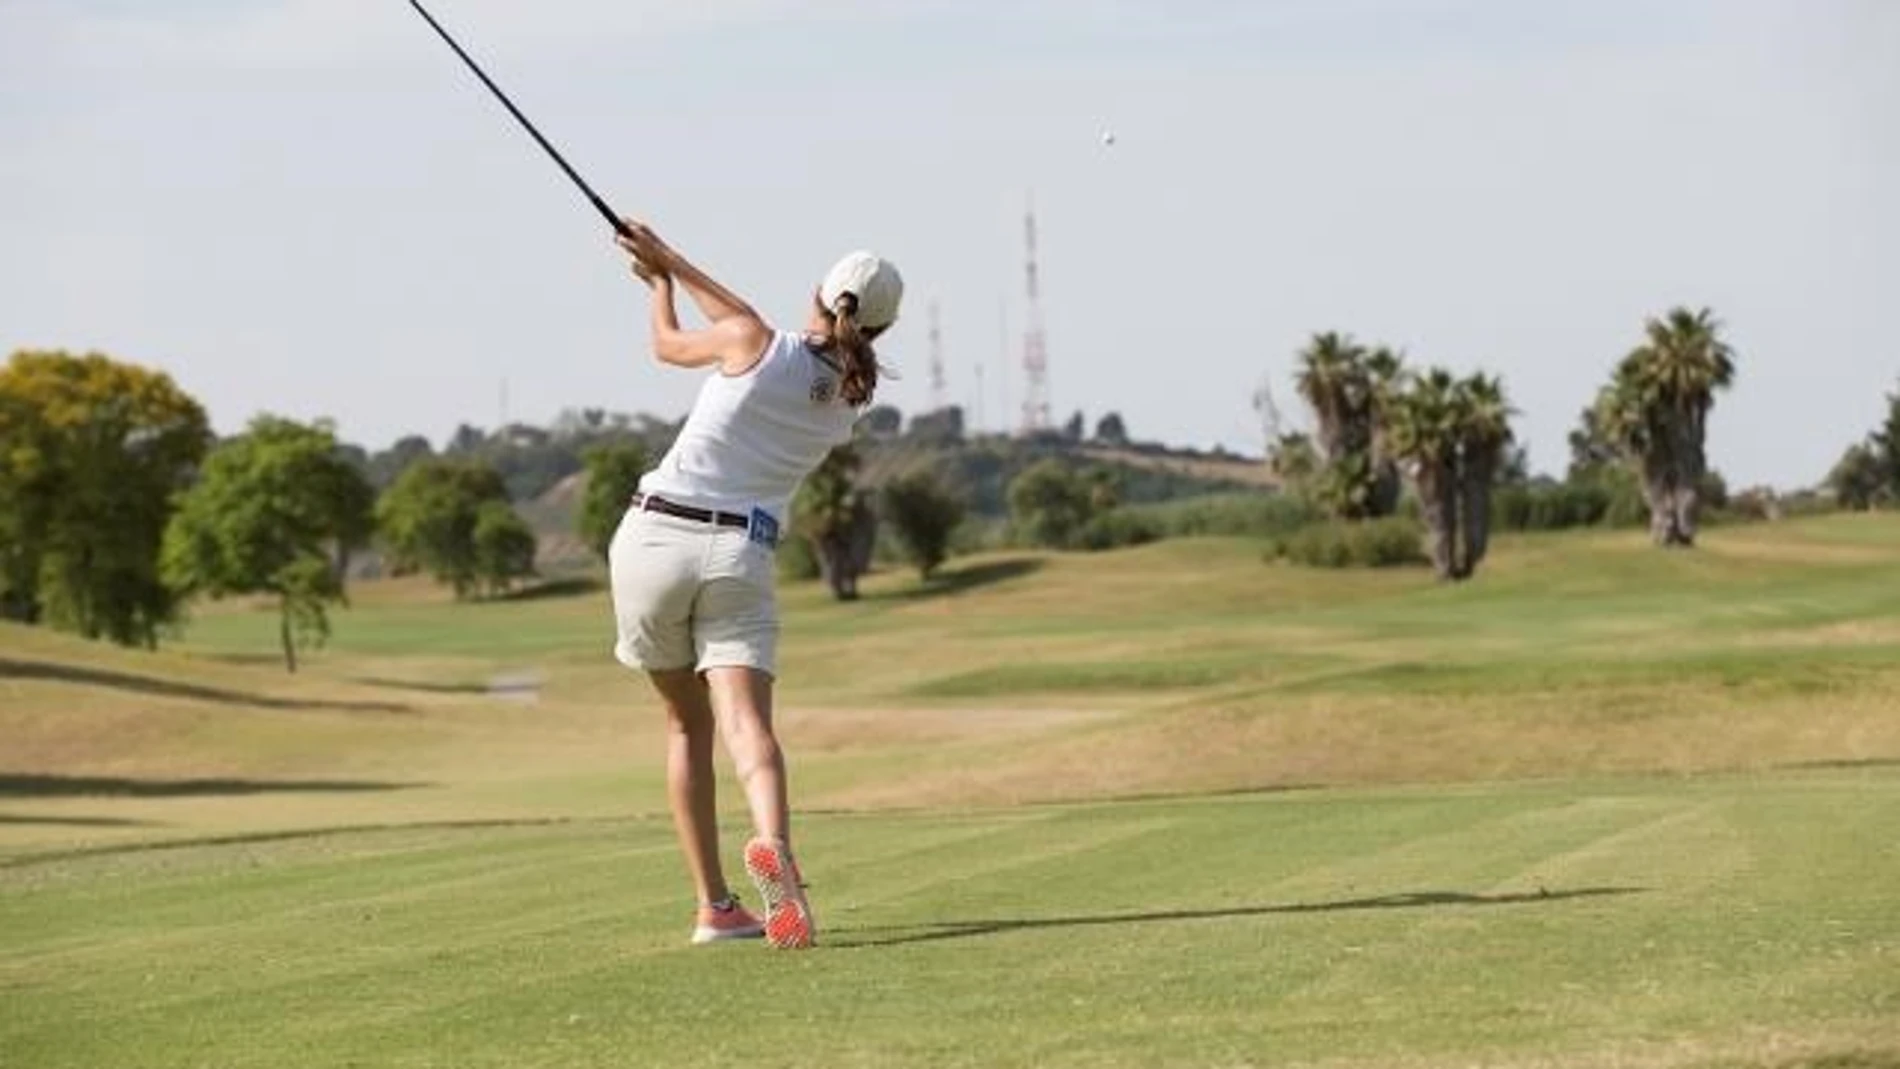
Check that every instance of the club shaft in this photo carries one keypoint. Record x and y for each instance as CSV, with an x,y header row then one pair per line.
x,y
600,205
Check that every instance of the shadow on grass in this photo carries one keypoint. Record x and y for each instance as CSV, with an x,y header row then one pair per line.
x,y
1844,763
926,933
959,580
75,822
166,688
569,587
26,785
422,687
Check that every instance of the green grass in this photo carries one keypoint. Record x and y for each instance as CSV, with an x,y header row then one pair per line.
x,y
1172,805
1675,921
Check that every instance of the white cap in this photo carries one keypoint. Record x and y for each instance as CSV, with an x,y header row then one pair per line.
x,y
874,281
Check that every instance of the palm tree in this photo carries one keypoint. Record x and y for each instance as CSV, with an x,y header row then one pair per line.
x,y
1384,371
1657,407
836,517
1329,366
1423,432
1484,432
1347,385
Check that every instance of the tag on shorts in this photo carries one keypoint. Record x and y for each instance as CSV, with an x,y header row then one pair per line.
x,y
763,529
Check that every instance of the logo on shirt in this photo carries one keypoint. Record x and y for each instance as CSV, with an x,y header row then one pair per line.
x,y
823,389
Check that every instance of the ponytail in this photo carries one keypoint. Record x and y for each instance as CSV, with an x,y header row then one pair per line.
x,y
851,344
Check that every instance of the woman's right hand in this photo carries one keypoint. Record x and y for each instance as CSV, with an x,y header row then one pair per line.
x,y
646,272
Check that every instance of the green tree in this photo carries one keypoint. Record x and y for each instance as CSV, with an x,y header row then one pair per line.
x,y
1110,430
1884,443
613,474
428,519
1859,479
1592,450
1072,431
923,513
1294,461
269,508
835,516
504,547
1050,505
387,466
92,452
1656,409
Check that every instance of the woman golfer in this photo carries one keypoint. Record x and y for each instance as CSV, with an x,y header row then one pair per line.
x,y
692,561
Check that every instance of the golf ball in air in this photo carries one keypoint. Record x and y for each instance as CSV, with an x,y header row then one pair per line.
x,y
1108,137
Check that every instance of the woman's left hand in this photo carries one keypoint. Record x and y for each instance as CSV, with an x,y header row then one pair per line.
x,y
640,240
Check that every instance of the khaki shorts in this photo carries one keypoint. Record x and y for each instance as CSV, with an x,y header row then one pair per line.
x,y
692,595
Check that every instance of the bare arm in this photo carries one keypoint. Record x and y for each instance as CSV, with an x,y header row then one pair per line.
x,y
733,342
715,301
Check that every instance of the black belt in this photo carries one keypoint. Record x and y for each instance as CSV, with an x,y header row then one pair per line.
x,y
650,503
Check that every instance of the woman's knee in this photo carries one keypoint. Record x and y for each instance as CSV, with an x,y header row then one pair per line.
x,y
688,706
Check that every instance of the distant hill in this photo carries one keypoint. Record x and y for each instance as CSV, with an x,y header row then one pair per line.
x,y
981,467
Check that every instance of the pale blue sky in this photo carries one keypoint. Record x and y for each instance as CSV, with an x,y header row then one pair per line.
x,y
308,206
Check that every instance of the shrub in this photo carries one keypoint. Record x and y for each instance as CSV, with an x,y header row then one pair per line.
x,y
1120,527
1611,502
923,513
1246,515
1050,504
796,562
1390,542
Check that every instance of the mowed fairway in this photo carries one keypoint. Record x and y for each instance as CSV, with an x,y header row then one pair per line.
x,y
1171,806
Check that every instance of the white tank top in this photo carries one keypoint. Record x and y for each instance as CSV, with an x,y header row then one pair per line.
x,y
751,439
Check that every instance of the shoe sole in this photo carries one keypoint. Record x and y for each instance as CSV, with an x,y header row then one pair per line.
x,y
702,936
788,924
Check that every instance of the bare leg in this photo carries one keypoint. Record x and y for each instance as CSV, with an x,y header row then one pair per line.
x,y
689,777
742,698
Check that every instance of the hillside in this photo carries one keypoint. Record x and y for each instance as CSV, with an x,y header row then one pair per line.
x,y
981,468
1189,665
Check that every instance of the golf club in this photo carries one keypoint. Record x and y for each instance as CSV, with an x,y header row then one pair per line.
x,y
599,204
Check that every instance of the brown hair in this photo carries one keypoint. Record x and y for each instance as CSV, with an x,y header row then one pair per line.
x,y
850,343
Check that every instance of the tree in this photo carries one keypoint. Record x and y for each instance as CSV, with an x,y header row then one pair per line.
x,y
466,439
1384,371
1454,435
1482,417
1348,386
268,509
1110,430
429,517
503,547
91,453
924,513
613,474
945,426
1859,479
1072,430
835,516
385,467
1884,443
883,421
1423,425
1592,450
1049,504
1656,409
1294,461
